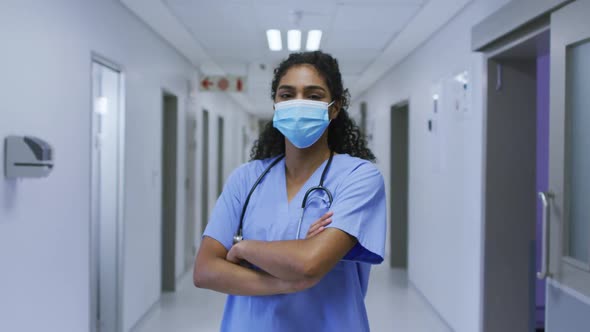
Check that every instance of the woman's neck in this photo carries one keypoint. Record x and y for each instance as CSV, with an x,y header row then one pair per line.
x,y
301,163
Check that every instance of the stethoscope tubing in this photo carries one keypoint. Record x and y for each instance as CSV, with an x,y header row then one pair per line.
x,y
304,203
238,237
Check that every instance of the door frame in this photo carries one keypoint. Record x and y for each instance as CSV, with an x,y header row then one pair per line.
x,y
403,263
94,222
169,270
490,275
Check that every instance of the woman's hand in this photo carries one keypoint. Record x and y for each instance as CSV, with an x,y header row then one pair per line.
x,y
318,226
233,255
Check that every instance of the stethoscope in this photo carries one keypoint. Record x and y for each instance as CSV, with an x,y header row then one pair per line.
x,y
238,237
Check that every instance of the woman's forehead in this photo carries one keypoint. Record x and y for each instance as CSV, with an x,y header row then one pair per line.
x,y
301,76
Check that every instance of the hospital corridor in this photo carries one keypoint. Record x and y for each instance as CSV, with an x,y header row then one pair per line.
x,y
294,165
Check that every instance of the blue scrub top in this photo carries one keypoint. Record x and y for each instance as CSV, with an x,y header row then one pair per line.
x,y
336,303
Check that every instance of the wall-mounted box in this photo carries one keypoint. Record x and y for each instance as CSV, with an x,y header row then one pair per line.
x,y
27,157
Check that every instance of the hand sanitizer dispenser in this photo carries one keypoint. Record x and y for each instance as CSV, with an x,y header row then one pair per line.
x,y
27,157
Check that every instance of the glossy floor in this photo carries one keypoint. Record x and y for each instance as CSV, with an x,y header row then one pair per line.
x,y
392,304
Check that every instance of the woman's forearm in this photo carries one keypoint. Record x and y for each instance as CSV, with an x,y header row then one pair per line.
x,y
296,260
286,260
220,275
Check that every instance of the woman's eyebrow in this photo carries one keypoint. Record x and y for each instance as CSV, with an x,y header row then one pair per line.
x,y
307,88
314,87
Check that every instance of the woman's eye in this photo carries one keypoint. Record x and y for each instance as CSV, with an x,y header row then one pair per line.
x,y
284,95
315,97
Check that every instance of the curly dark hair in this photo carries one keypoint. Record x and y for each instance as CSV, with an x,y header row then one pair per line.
x,y
344,136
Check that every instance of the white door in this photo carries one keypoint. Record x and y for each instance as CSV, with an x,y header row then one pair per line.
x,y
567,259
107,188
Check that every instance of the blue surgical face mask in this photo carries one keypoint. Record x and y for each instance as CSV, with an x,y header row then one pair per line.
x,y
302,121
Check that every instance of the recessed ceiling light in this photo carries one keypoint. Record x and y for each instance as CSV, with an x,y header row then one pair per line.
x,y
314,37
294,40
274,40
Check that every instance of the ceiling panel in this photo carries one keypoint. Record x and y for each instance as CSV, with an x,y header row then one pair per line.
x,y
209,16
378,17
283,16
351,53
358,40
235,53
382,2
353,67
225,41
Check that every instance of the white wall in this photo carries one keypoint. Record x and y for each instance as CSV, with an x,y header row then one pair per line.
x,y
46,91
445,172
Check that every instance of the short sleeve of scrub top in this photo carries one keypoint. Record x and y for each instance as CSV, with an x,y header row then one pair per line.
x,y
336,303
359,210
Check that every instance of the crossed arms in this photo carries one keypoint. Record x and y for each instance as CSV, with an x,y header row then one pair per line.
x,y
286,266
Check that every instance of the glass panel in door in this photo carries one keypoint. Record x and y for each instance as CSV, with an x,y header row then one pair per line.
x,y
568,286
578,156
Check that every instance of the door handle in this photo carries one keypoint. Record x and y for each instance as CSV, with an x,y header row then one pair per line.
x,y
545,199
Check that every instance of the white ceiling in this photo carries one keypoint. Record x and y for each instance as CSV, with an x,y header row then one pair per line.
x,y
368,37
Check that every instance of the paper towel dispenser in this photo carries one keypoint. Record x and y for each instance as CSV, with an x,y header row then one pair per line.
x,y
27,157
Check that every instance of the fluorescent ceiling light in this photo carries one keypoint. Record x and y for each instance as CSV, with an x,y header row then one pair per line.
x,y
314,37
294,40
274,39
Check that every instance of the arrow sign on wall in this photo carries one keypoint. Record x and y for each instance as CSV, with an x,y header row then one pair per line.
x,y
206,83
223,83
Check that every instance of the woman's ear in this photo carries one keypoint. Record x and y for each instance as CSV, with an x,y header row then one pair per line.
x,y
335,109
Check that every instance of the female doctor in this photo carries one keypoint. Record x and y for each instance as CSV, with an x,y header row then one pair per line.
x,y
294,232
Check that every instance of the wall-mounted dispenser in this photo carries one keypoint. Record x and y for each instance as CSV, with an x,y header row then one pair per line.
x,y
27,157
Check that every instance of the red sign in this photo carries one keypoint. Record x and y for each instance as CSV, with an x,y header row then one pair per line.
x,y
239,85
223,83
206,83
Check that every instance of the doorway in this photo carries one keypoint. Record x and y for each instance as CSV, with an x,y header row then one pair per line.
x,y
169,167
363,121
107,188
399,185
191,201
516,163
205,172
220,136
